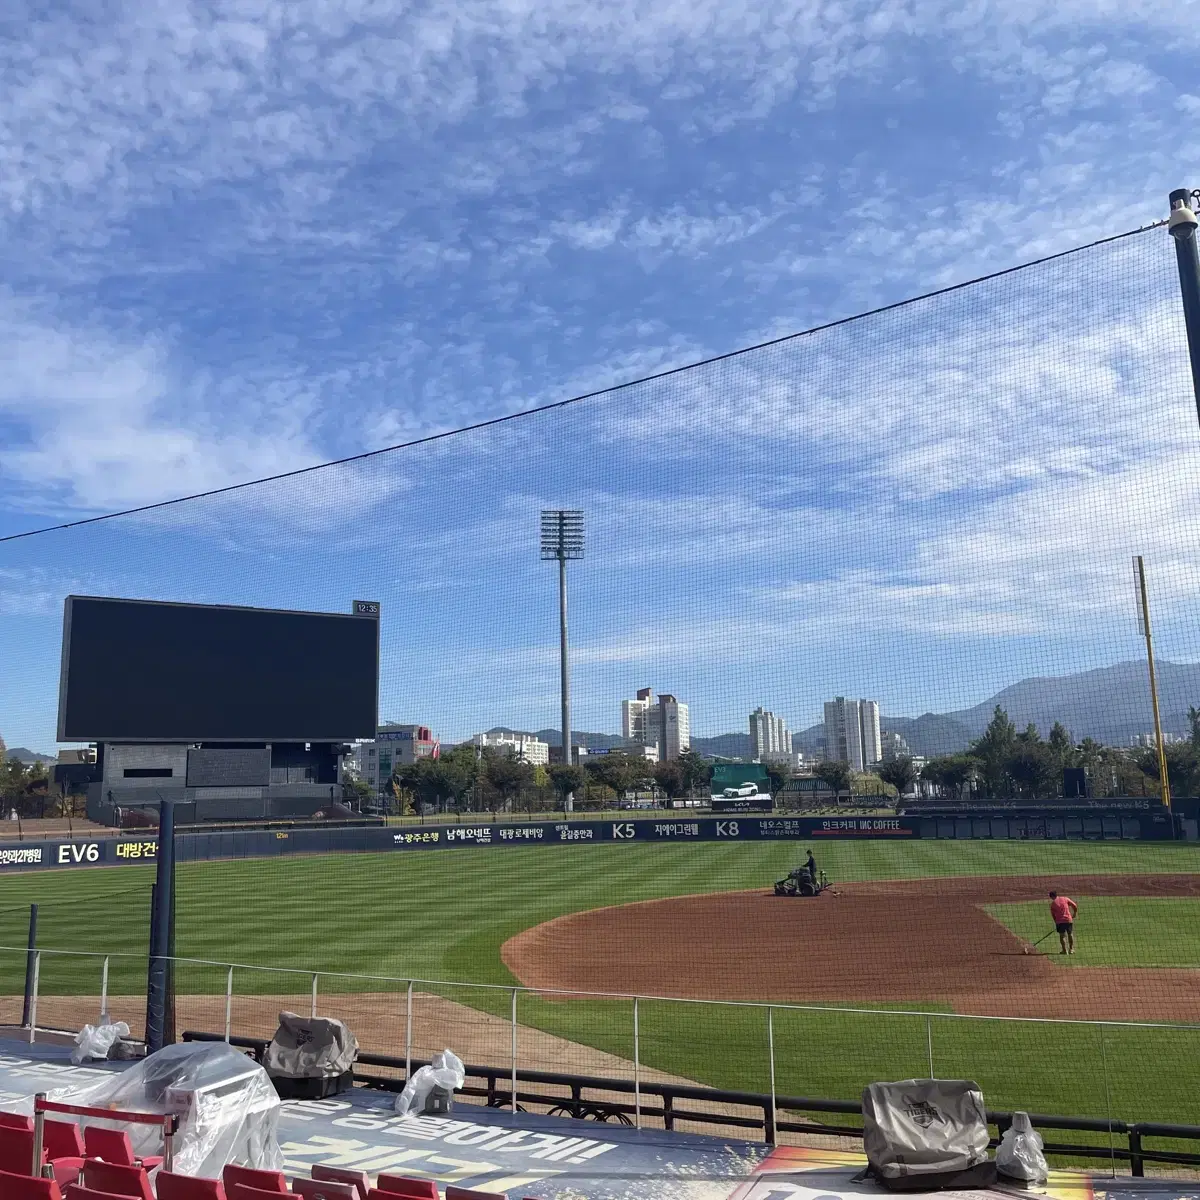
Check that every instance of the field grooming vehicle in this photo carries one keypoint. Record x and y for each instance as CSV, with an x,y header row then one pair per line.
x,y
801,882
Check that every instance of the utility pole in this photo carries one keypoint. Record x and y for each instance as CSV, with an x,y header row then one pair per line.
x,y
562,540
1139,570
1182,225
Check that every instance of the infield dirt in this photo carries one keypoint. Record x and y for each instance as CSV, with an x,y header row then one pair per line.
x,y
922,941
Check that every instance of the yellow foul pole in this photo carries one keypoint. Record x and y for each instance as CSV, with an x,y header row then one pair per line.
x,y
1144,607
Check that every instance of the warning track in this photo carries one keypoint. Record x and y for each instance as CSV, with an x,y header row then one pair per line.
x,y
922,941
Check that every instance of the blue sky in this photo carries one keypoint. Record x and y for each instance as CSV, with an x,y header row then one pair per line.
x,y
243,237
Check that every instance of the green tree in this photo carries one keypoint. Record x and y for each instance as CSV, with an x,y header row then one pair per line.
x,y
1062,748
357,789
899,772
993,751
1183,767
779,775
508,773
950,774
1031,768
697,773
835,773
566,779
617,771
669,776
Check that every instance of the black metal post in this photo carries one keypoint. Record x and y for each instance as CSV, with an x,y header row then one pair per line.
x,y
159,975
1187,256
27,1007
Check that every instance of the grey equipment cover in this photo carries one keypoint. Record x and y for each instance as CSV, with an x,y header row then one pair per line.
x,y
310,1048
923,1127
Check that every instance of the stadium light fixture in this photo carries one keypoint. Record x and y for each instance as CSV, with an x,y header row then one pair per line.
x,y
563,541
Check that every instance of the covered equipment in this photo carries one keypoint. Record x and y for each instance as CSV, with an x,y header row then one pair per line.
x,y
228,1111
310,1058
924,1134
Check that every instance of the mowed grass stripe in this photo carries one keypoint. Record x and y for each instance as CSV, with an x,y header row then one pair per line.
x,y
445,914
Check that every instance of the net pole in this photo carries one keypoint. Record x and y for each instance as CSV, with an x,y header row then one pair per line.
x,y
29,961
1182,225
158,980
514,1050
637,1069
772,1126
37,974
408,1015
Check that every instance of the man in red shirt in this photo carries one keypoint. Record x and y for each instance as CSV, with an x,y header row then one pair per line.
x,y
1062,913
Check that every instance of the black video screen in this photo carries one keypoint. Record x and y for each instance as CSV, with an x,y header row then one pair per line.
x,y
137,670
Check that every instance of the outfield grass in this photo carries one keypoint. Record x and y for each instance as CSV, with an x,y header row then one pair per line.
x,y
1115,931
445,914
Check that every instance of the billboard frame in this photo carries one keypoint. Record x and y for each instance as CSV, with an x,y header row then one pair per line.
x,y
353,615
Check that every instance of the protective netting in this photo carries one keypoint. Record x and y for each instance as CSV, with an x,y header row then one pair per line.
x,y
923,518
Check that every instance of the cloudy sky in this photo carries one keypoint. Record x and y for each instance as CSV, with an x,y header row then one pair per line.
x,y
246,236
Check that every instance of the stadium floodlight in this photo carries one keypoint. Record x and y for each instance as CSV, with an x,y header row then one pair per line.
x,y
562,540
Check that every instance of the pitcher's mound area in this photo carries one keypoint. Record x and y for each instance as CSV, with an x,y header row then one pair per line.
x,y
918,941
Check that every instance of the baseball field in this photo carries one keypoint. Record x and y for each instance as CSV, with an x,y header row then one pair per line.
x,y
913,928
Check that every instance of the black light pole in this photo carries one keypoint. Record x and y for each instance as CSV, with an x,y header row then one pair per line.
x,y
562,539
1182,225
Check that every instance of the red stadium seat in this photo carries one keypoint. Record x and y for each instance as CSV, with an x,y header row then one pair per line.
x,y
319,1189
243,1191
62,1139
116,1179
411,1189
357,1179
457,1193
76,1191
188,1187
26,1187
16,1150
16,1121
114,1146
252,1177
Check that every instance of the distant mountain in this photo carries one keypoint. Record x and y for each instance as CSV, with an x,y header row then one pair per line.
x,y
1110,704
723,745
930,734
593,741
29,756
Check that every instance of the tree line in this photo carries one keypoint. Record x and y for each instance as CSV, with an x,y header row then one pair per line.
x,y
496,778
1004,762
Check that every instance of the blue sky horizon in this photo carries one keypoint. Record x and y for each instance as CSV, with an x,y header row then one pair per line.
x,y
248,237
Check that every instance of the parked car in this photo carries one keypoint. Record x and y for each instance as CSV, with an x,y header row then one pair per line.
x,y
744,789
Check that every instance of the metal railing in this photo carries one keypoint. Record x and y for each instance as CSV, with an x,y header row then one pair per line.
x,y
516,1034
592,1098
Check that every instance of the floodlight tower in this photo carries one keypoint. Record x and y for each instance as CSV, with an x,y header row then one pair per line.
x,y
562,540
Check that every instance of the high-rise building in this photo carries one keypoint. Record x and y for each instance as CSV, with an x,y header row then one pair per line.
x,y
663,723
852,732
770,739
894,746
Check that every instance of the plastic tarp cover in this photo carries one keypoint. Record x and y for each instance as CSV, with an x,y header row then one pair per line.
x,y
445,1071
95,1041
310,1048
227,1107
924,1126
1020,1154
